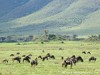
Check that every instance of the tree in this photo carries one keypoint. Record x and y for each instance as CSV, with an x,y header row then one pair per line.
x,y
75,37
2,39
99,36
9,38
29,38
46,35
93,37
52,37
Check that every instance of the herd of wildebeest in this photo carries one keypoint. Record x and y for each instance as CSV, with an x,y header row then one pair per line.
x,y
66,60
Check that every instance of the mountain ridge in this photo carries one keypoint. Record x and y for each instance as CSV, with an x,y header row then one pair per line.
x,y
70,17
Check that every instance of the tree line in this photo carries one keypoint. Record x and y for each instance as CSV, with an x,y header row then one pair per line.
x,y
47,37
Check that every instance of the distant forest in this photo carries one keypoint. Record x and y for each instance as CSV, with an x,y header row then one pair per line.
x,y
47,37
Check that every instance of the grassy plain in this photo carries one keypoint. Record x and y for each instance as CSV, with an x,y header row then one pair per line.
x,y
50,67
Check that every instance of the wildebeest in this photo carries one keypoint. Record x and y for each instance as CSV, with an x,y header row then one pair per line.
x,y
42,42
44,58
48,55
34,62
72,60
11,54
88,52
17,59
23,55
27,58
61,49
67,62
52,56
79,58
62,42
17,53
83,52
62,57
92,59
5,61
40,57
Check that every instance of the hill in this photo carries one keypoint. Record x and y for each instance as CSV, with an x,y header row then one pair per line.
x,y
58,16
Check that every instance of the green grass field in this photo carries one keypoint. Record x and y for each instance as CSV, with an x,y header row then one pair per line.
x,y
50,67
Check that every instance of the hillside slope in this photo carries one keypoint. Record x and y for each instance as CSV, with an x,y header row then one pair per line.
x,y
90,26
7,6
58,16
27,8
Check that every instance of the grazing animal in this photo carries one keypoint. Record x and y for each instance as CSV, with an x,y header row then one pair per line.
x,y
34,62
79,58
64,63
62,42
48,55
45,58
83,52
17,59
23,55
17,53
42,42
60,48
27,58
5,61
11,54
92,59
88,52
62,58
72,60
52,57
40,57
67,62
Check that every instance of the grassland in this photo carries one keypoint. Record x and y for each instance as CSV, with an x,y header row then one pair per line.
x,y
50,67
